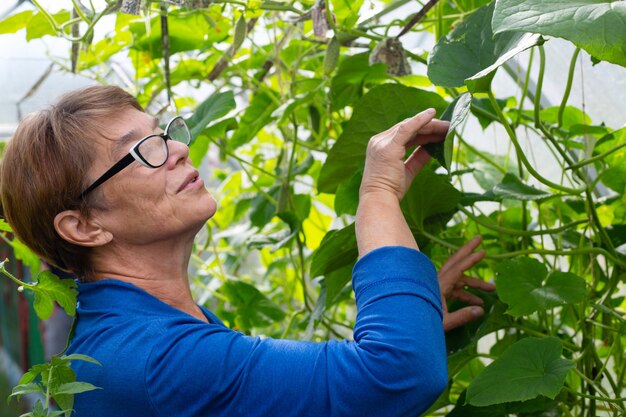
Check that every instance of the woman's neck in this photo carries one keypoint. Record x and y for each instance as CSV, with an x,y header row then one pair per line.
x,y
160,270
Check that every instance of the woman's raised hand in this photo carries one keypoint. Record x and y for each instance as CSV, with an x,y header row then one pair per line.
x,y
385,167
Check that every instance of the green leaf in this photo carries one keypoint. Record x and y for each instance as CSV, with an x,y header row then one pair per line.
x,y
286,109
597,26
382,107
571,116
353,74
187,32
79,357
26,389
39,26
347,196
337,249
74,388
336,281
456,113
263,210
50,288
212,108
15,22
485,104
430,201
524,284
528,369
251,306
24,254
346,11
5,227
472,52
513,188
103,50
217,131
536,405
257,115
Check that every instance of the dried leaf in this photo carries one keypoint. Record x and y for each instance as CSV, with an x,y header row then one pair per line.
x,y
391,52
131,7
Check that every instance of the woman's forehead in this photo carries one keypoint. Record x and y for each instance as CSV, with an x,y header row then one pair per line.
x,y
121,131
145,125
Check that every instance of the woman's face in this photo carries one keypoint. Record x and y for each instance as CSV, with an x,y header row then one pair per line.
x,y
141,204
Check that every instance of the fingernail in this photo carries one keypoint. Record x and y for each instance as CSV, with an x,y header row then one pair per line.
x,y
477,311
430,110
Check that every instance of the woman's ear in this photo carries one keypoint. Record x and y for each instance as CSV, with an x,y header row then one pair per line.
x,y
75,228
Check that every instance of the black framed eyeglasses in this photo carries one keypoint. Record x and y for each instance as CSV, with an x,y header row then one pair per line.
x,y
150,151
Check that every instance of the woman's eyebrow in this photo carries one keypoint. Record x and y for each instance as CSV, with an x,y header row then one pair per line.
x,y
132,136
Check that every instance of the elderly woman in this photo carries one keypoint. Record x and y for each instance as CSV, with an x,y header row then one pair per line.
x,y
95,187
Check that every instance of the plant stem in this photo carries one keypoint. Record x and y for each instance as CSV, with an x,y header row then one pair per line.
x,y
518,232
388,9
568,87
10,275
417,17
596,158
46,15
525,87
521,155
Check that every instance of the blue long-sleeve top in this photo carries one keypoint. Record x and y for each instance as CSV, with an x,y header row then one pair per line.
x,y
159,361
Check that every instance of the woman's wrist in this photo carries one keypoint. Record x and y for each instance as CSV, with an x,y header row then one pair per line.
x,y
380,222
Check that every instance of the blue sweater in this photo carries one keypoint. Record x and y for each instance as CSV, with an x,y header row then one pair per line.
x,y
159,361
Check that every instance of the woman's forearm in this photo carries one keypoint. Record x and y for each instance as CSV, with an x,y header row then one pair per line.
x,y
379,222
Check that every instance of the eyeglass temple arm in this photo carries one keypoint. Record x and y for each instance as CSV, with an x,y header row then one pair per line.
x,y
120,165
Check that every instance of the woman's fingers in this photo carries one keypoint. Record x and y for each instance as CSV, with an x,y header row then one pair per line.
x,y
461,317
434,131
467,297
462,255
479,284
408,128
415,162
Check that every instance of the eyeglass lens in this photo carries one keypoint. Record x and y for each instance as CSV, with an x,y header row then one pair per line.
x,y
178,131
154,149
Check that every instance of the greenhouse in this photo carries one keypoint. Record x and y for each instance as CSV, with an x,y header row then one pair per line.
x,y
313,208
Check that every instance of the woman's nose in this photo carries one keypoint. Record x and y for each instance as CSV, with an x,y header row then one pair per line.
x,y
178,152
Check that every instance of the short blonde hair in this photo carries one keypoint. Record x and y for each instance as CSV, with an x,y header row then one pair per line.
x,y
44,170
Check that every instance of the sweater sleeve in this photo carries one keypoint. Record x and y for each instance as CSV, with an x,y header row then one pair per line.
x,y
396,365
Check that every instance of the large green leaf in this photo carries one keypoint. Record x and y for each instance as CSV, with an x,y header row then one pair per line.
x,y
528,369
15,22
513,188
200,143
346,11
257,115
382,107
614,176
252,307
347,195
430,201
471,51
335,282
187,32
524,284
597,26
353,74
337,249
212,108
39,26
537,407
50,288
